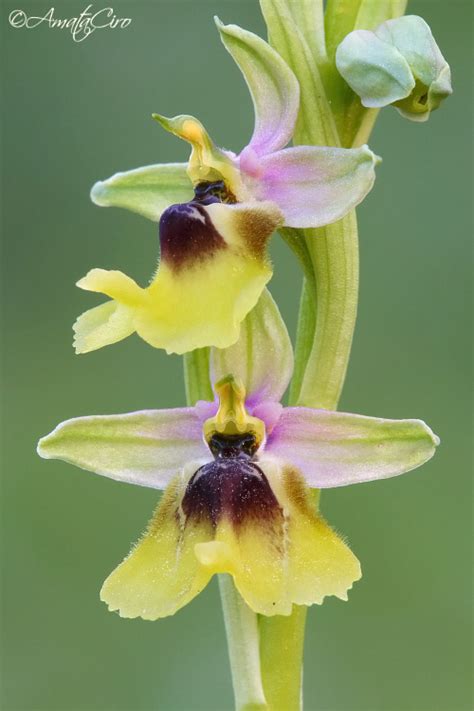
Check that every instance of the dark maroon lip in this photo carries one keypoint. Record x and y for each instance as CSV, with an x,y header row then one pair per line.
x,y
187,235
235,488
233,485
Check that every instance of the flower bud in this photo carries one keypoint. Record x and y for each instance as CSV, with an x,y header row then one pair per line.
x,y
399,64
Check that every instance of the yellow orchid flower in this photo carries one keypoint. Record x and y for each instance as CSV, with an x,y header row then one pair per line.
x,y
217,213
237,474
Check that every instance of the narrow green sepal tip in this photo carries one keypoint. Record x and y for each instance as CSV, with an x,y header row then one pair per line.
x,y
231,30
184,125
434,437
97,194
42,447
162,120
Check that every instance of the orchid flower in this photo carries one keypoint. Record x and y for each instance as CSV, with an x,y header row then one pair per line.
x,y
216,214
237,474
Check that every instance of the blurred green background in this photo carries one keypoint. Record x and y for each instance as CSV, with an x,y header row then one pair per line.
x,y
74,113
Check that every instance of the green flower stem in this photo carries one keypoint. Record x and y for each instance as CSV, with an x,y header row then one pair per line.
x,y
334,253
283,638
304,336
307,311
331,115
362,130
241,623
281,651
244,652
196,376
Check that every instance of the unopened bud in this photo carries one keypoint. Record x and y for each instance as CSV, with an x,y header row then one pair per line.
x,y
399,64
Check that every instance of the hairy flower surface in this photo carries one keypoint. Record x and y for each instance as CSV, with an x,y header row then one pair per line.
x,y
216,214
237,474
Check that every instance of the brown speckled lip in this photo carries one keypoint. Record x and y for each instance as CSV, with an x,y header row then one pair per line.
x,y
233,487
255,228
187,235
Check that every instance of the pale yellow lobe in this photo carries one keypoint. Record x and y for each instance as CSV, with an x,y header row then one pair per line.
x,y
254,554
214,556
113,283
110,322
293,558
102,326
201,304
161,573
289,556
318,562
198,307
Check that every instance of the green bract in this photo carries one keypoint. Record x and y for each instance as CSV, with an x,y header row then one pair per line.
x,y
399,64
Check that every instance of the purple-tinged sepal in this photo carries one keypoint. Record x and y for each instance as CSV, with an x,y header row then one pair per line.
x,y
338,448
313,185
272,84
263,342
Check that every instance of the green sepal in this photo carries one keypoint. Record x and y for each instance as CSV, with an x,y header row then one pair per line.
x,y
147,191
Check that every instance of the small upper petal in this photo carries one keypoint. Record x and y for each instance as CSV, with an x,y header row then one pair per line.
x,y
262,358
112,321
146,448
207,162
272,84
314,185
337,448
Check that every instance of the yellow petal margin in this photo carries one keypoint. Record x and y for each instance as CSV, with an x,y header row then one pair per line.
x,y
162,573
288,555
294,558
198,303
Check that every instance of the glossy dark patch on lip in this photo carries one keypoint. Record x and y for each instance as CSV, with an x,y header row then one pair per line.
x,y
187,235
233,445
234,487
205,192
